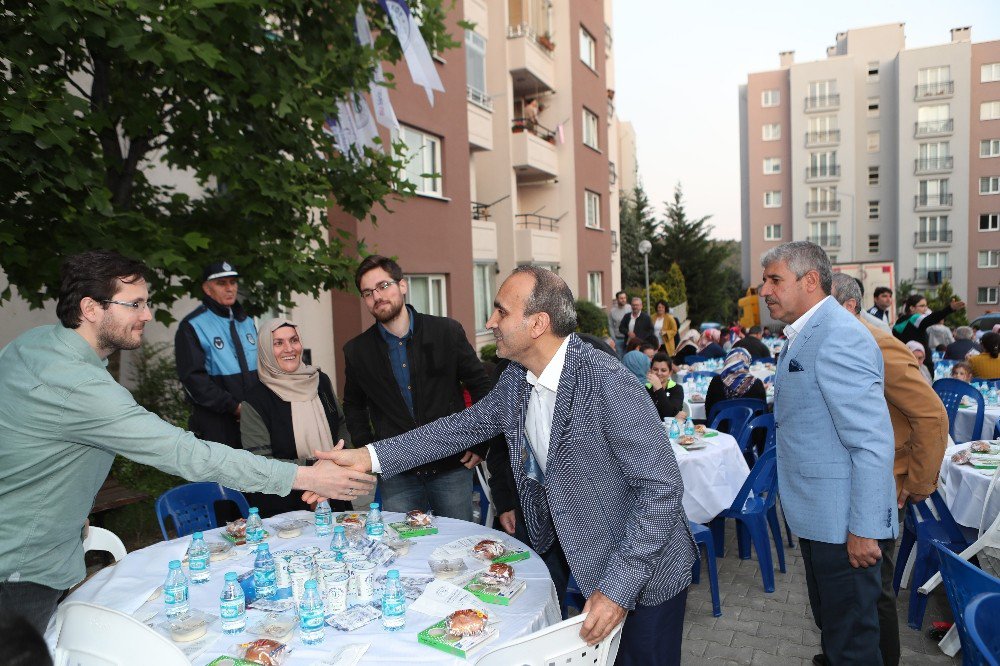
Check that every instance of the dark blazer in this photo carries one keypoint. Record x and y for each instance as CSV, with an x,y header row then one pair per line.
x,y
441,362
643,327
753,345
958,350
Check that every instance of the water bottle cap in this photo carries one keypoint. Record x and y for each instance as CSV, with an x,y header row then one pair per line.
x,y
197,535
373,505
263,547
254,509
392,573
175,564
310,584
231,576
338,528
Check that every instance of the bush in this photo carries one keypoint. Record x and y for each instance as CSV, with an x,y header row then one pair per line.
x,y
591,319
488,353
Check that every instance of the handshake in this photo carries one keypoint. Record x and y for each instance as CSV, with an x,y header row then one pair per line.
x,y
341,474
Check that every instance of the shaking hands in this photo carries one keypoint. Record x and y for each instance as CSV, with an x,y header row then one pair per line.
x,y
341,474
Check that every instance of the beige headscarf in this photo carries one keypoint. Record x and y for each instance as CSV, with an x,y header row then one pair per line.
x,y
300,388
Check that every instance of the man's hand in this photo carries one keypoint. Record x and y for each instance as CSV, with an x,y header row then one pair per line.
x,y
337,474
603,615
905,495
956,305
508,521
470,459
357,459
862,552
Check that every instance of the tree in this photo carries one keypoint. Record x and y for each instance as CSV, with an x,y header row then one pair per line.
x,y
591,319
234,94
675,286
637,223
941,299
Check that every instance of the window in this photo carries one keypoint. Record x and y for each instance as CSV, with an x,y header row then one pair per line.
x,y
989,222
873,210
933,81
770,98
989,148
823,165
423,160
772,199
873,72
427,294
873,175
772,165
590,125
822,88
483,290
772,232
588,49
872,243
989,72
771,132
592,209
989,111
932,267
933,229
594,288
989,185
986,295
873,107
824,233
873,142
989,259
475,64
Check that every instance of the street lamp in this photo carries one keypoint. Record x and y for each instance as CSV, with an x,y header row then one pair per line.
x,y
644,249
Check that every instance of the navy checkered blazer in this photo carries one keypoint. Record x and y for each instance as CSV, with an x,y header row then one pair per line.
x,y
612,490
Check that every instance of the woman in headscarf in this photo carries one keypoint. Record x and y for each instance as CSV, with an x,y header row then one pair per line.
x,y
917,350
734,381
917,318
639,365
688,346
708,345
292,413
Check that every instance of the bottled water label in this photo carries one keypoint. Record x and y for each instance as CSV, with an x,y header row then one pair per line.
x,y
264,582
311,625
234,615
324,521
394,613
199,568
375,530
175,598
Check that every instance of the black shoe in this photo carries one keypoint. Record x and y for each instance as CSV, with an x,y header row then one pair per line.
x,y
821,660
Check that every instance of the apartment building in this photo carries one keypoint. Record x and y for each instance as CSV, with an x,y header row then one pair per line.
x,y
879,153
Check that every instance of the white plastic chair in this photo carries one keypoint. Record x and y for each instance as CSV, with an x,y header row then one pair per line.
x,y
99,538
91,635
559,644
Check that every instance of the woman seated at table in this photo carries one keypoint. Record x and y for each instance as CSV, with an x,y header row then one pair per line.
x,y
987,364
292,413
917,350
708,345
688,346
660,375
734,381
639,365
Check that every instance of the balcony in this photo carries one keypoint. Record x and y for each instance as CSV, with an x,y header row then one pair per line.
x,y
816,174
935,237
814,208
823,102
535,221
826,240
480,211
536,239
931,201
933,165
824,138
933,128
932,275
533,151
934,90
480,112
530,56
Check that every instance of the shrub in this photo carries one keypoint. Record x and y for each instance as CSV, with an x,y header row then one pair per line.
x,y
591,319
488,353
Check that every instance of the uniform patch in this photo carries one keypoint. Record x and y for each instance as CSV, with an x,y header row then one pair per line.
x,y
251,339
219,344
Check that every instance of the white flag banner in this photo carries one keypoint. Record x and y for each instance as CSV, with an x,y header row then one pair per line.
x,y
333,130
418,57
364,123
348,134
384,113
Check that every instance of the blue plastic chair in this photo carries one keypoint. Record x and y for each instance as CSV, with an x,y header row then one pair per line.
x,y
691,359
192,507
963,582
982,623
573,597
996,430
763,420
923,528
951,392
698,374
752,509
757,405
735,419
703,537
484,502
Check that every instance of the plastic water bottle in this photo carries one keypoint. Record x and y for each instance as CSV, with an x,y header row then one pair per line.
x,y
175,591
324,519
992,397
264,576
374,527
198,559
393,602
255,528
232,606
675,430
338,544
311,617
689,427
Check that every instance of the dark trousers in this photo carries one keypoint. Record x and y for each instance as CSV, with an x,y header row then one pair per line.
x,y
888,619
35,603
844,603
554,558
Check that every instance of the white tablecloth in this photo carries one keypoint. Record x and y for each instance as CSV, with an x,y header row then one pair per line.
x,y
965,419
126,586
712,476
965,488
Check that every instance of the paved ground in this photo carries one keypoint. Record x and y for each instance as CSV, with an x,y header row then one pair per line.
x,y
762,629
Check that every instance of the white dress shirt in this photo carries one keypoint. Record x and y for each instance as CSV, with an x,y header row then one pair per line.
x,y
797,326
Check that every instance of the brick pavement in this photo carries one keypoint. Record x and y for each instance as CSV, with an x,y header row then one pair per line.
x,y
762,629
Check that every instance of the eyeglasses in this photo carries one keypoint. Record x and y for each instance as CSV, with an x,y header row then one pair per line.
x,y
381,286
135,305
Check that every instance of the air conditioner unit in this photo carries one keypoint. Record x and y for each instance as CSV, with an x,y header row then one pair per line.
x,y
934,277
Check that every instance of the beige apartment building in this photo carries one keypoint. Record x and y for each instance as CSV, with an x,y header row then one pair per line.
x,y
880,153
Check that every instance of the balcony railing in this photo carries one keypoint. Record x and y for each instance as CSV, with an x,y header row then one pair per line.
x,y
826,240
930,127
822,138
936,237
823,172
939,89
822,207
535,221
932,275
527,125
480,211
529,31
932,200
831,101
933,164
479,98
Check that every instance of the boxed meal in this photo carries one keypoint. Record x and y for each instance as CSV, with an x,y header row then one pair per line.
x,y
461,633
496,585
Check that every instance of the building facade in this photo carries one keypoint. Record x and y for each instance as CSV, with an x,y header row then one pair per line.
x,y
879,153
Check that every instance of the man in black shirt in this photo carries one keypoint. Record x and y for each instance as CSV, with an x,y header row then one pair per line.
x,y
753,344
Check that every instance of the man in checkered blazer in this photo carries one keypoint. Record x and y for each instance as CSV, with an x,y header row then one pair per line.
x,y
597,478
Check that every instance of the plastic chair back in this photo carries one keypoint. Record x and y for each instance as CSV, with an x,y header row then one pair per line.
x,y
962,582
481,484
691,359
996,430
756,404
765,421
99,538
951,392
982,622
192,506
91,635
762,482
558,644
735,418
698,374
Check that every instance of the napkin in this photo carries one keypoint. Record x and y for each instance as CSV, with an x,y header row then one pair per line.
x,y
441,599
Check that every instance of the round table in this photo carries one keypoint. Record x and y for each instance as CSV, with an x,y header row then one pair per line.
x,y
965,491
712,476
965,419
127,585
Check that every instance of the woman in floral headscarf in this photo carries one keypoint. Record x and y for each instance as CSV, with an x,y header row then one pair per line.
x,y
735,381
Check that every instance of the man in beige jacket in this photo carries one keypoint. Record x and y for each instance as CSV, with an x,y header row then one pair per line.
x,y
920,428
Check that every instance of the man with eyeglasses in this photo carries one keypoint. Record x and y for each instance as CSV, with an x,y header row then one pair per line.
x,y
63,418
216,348
406,370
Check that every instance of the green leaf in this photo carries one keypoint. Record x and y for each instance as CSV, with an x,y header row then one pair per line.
x,y
196,241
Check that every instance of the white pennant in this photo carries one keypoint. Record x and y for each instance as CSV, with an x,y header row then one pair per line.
x,y
418,57
384,113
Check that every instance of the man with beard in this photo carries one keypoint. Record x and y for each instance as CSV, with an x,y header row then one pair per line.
x,y
63,419
406,370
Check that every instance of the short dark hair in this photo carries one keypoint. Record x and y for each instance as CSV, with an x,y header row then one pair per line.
x,y
617,294
552,296
881,290
373,261
97,274
662,357
991,344
911,302
754,330
666,306
646,345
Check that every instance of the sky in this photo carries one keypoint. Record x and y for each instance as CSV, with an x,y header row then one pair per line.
x,y
679,65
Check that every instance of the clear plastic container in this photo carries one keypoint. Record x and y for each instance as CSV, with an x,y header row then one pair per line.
x,y
255,527
374,527
311,615
324,519
175,591
393,603
232,606
338,544
199,557
264,574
